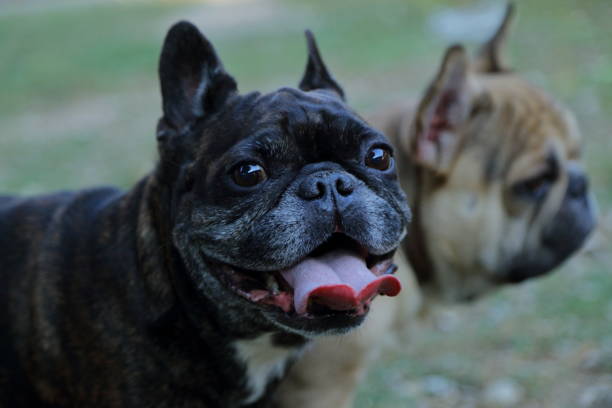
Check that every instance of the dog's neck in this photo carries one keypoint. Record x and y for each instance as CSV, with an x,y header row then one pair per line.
x,y
161,266
415,246
153,254
412,180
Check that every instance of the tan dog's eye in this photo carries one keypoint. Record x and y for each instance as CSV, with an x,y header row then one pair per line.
x,y
249,174
536,187
379,158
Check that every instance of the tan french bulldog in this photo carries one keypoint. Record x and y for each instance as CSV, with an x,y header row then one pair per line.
x,y
491,165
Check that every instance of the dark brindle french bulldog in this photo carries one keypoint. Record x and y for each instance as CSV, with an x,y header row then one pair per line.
x,y
269,220
491,165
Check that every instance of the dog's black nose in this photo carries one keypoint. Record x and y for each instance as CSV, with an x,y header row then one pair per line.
x,y
578,185
320,184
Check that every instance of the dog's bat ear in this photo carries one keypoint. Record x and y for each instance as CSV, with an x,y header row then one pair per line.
x,y
489,58
435,133
193,81
316,75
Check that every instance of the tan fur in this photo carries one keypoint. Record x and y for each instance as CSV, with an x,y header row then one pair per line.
x,y
469,224
472,226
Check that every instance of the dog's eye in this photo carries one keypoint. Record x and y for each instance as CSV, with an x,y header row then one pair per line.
x,y
379,158
536,187
248,174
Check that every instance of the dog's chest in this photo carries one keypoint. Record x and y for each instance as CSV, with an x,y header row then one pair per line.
x,y
265,361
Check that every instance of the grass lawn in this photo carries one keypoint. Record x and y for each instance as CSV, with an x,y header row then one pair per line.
x,y
79,103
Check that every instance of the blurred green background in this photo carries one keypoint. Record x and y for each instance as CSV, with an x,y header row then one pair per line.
x,y
79,102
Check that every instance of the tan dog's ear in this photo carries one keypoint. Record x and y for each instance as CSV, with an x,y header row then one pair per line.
x,y
489,59
445,106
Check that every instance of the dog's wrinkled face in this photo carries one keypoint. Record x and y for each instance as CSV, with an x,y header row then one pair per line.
x,y
503,196
289,209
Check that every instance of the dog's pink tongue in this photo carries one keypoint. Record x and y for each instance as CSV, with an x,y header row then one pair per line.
x,y
339,280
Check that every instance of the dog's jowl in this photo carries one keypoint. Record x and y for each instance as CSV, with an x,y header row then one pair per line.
x,y
269,219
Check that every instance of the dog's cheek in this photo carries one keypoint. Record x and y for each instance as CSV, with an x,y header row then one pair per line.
x,y
388,188
210,230
400,200
288,232
246,233
372,220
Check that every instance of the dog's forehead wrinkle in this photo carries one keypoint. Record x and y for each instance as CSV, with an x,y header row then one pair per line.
x,y
531,105
312,104
315,96
270,146
523,121
307,116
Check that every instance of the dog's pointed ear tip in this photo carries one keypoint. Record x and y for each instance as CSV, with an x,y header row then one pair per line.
x,y
456,48
183,34
311,42
455,53
183,24
508,17
183,27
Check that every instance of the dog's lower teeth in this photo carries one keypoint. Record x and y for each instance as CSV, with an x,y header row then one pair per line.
x,y
391,270
272,285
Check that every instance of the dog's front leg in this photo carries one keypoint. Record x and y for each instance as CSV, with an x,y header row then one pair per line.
x,y
328,374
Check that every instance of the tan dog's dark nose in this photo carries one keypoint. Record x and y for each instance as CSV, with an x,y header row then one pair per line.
x,y
578,185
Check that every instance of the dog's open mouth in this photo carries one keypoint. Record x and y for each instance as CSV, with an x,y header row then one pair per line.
x,y
339,276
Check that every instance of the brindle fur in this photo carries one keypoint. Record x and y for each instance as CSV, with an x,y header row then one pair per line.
x,y
116,299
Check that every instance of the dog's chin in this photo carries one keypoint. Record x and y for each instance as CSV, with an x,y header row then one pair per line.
x,y
328,291
465,291
470,287
530,266
471,290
